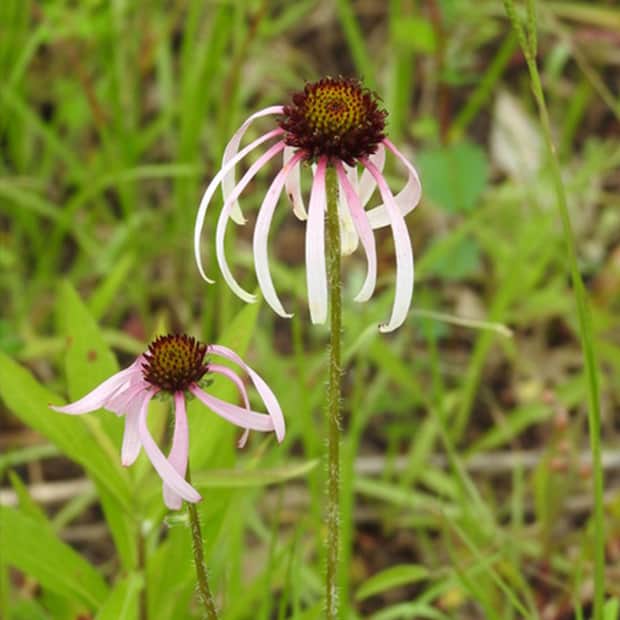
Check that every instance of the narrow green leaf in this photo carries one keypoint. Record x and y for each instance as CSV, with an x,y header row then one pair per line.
x,y
611,611
399,575
122,604
29,401
514,424
37,552
89,361
107,291
239,478
27,505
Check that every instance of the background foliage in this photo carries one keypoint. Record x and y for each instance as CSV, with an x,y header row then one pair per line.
x,y
467,486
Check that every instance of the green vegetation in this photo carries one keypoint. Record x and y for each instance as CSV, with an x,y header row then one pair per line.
x,y
476,436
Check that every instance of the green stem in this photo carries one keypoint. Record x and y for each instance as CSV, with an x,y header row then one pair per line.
x,y
333,396
143,613
204,592
528,45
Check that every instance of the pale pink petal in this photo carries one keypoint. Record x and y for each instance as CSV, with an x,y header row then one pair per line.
x,y
367,182
228,182
220,232
360,220
131,439
265,392
233,413
236,379
261,235
406,200
129,397
243,439
349,238
315,246
293,185
179,451
98,397
208,195
165,470
404,255
352,176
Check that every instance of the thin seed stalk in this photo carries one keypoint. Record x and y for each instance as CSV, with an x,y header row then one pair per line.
x,y
333,396
204,592
586,331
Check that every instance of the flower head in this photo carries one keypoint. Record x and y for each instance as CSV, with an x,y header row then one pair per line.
x,y
337,118
336,123
176,364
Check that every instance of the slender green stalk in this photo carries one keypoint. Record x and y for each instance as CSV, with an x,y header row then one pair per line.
x,y
143,612
528,45
333,396
204,592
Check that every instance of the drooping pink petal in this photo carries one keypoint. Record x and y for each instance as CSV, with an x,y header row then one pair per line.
x,y
360,220
97,398
129,396
316,275
179,452
131,439
402,248
228,182
293,185
233,413
261,235
243,439
165,470
406,200
220,232
367,183
265,392
236,379
349,239
208,195
352,176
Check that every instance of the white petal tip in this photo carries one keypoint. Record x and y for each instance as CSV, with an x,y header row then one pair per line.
x,y
386,328
281,312
238,219
318,318
360,298
206,278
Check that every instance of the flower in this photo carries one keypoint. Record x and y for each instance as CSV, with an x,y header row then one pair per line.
x,y
333,122
176,364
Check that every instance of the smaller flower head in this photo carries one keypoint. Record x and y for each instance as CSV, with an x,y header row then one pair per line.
x,y
173,363
176,364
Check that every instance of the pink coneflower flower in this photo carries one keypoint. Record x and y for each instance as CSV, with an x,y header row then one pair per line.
x,y
333,122
176,364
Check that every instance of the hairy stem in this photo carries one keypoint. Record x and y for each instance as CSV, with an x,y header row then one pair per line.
x,y
333,396
204,592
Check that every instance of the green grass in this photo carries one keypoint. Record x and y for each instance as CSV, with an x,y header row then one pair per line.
x,y
468,432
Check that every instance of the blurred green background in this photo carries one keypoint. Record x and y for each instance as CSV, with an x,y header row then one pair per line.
x,y
467,487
